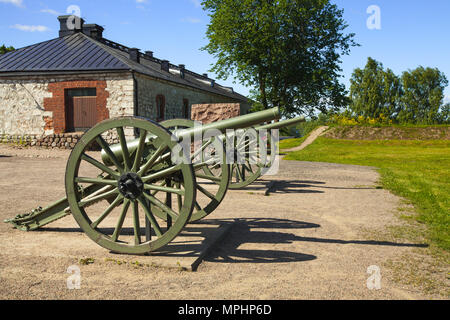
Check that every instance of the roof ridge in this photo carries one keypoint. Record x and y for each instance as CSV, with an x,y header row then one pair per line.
x,y
114,54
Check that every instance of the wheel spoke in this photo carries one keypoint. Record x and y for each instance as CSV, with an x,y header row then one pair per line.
x,y
99,165
136,225
239,173
150,216
206,192
169,203
152,159
162,173
125,152
110,154
179,198
140,150
249,168
203,147
88,201
107,211
202,164
161,205
96,181
118,229
164,189
207,177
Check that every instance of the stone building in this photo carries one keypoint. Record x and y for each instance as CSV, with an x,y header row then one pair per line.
x,y
70,83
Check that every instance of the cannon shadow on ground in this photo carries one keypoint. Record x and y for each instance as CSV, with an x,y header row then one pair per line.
x,y
245,232
242,231
285,186
304,186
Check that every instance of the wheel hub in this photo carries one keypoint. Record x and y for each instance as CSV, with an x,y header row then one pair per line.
x,y
131,185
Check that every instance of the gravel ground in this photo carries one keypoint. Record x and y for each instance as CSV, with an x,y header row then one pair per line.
x,y
307,240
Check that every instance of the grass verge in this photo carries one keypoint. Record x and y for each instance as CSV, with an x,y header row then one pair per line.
x,y
416,170
291,143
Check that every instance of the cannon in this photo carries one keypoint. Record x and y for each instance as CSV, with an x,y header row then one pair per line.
x,y
139,175
255,160
242,174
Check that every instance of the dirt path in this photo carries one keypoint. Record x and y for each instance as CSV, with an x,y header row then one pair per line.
x,y
311,138
305,241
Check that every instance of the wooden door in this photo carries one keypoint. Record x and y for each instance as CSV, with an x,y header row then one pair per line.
x,y
84,113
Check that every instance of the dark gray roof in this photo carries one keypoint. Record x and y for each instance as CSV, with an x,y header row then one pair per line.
x,y
79,52
71,53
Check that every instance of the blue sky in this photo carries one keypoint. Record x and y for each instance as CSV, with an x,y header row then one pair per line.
x,y
412,32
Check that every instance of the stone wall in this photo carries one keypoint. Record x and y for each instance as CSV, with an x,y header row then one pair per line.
x,y
207,113
121,96
22,107
149,89
60,141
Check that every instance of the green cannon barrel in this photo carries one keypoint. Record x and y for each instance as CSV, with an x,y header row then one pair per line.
x,y
240,122
281,124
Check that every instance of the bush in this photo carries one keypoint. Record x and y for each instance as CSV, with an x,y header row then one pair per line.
x,y
345,120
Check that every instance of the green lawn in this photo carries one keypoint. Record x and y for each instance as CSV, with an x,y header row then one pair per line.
x,y
416,170
291,143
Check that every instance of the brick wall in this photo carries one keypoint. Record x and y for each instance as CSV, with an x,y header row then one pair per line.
x,y
56,104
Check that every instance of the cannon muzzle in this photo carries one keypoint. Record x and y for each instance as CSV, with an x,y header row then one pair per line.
x,y
281,124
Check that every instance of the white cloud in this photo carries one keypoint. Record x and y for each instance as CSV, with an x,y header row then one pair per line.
x,y
191,20
140,5
54,12
197,3
22,27
18,3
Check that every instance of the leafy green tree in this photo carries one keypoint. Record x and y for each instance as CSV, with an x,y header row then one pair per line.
x,y
4,49
289,50
445,114
375,91
423,95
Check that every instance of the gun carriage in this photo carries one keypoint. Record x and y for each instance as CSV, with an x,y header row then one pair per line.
x,y
135,181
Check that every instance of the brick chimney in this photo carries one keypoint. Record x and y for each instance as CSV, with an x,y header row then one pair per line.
x,y
134,54
165,65
93,30
69,25
182,70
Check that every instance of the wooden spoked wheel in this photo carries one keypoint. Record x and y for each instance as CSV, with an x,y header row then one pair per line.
x,y
211,188
247,168
113,215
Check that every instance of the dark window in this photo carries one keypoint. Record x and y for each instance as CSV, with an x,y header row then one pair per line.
x,y
82,92
160,107
186,108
